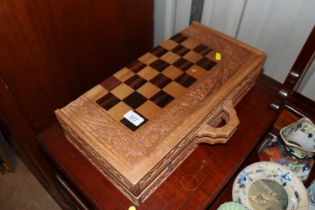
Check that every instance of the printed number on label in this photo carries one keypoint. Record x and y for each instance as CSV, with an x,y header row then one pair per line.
x,y
134,118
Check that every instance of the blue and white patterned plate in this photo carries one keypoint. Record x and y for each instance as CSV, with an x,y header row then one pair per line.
x,y
268,185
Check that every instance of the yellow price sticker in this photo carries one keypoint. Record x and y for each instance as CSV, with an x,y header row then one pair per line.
x,y
132,208
218,56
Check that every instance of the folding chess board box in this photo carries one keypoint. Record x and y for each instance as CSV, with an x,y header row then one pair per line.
x,y
138,125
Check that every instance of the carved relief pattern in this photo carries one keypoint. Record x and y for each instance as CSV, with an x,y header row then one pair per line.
x,y
106,169
149,184
119,181
133,145
239,92
165,174
94,133
149,177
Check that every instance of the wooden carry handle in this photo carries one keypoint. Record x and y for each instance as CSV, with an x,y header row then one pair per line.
x,y
213,135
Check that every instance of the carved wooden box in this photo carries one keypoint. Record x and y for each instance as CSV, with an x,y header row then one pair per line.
x,y
138,125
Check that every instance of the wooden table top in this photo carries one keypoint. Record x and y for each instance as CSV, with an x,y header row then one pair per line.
x,y
196,182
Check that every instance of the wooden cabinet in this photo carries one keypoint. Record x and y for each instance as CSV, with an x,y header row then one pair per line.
x,y
53,51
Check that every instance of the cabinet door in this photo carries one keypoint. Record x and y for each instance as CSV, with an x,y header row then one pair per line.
x,y
52,51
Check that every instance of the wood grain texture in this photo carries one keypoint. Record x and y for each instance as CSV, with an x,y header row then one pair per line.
x,y
226,194
284,119
138,161
22,139
301,105
52,52
211,134
298,70
195,183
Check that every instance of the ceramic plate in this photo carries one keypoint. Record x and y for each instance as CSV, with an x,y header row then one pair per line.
x,y
267,185
232,206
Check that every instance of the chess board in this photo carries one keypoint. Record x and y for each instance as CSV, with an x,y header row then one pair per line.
x,y
150,83
141,123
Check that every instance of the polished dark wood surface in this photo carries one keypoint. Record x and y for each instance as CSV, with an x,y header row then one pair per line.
x,y
297,72
196,183
226,194
54,51
301,105
50,53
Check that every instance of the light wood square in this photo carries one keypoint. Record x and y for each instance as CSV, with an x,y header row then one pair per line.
x,y
170,57
174,89
169,44
197,72
193,56
122,91
172,72
148,73
148,90
190,43
148,58
96,92
123,74
117,112
211,55
149,110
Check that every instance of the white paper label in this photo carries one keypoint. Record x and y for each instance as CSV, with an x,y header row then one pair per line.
x,y
134,118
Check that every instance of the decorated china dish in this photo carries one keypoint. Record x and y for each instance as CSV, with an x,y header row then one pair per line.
x,y
299,138
273,150
311,194
267,185
232,206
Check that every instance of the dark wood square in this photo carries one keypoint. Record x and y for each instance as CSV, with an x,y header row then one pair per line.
x,y
179,38
180,50
185,80
135,81
183,64
108,101
206,63
202,49
159,65
161,98
110,83
160,81
136,66
131,126
135,99
159,51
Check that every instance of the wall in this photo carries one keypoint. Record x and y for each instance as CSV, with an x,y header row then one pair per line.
x,y
278,27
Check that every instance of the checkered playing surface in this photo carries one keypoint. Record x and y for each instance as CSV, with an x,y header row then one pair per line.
x,y
152,82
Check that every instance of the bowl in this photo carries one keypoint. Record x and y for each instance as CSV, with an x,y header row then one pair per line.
x,y
299,138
